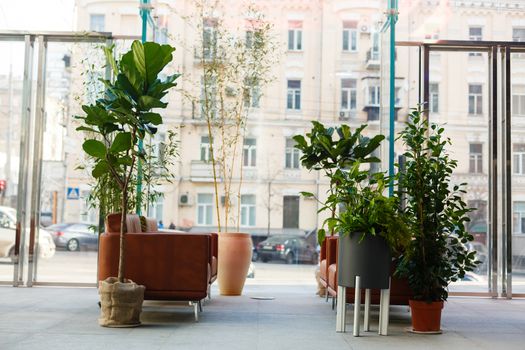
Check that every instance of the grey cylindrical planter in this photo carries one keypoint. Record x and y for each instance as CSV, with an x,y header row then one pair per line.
x,y
369,259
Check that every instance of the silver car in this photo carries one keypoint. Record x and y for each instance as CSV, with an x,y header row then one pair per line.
x,y
46,246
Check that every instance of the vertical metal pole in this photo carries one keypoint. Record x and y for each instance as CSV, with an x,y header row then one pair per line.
x,y
392,131
507,175
385,310
357,306
493,172
25,127
366,326
340,324
34,222
426,79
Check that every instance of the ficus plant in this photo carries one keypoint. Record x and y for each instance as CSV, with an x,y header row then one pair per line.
x,y
355,199
435,211
115,123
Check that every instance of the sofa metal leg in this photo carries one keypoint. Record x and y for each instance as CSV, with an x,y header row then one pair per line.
x,y
200,306
333,303
195,309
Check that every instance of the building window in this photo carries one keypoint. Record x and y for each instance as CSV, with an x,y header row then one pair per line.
x,y
97,23
348,95
295,35
249,152
518,159
373,96
252,95
209,37
208,97
475,99
518,34
518,100
350,36
476,158
475,34
293,98
248,210
205,149
290,211
204,208
155,210
292,155
433,103
518,217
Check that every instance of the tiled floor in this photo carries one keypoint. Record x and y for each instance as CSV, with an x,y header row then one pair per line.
x,y
66,318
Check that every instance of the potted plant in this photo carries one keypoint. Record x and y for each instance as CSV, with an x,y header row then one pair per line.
x,y
369,224
234,71
436,214
113,127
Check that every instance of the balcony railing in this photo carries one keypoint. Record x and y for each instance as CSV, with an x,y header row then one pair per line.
x,y
372,59
201,171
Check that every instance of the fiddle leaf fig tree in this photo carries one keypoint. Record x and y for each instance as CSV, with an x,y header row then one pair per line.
x,y
436,213
115,123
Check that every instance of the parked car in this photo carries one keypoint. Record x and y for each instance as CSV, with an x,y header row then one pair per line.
x,y
74,236
291,249
46,246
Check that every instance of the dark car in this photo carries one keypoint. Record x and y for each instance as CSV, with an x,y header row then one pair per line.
x,y
74,236
291,249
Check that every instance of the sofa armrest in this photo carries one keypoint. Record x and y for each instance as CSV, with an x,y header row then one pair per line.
x,y
331,250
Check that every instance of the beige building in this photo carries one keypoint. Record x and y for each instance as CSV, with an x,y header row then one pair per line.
x,y
330,71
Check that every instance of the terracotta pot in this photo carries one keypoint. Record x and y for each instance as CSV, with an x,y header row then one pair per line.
x,y
426,317
235,255
121,303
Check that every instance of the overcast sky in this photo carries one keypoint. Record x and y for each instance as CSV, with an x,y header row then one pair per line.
x,y
35,15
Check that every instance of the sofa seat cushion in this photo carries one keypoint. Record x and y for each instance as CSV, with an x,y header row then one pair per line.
x,y
332,276
322,269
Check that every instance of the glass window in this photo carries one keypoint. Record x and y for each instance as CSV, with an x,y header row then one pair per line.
x,y
475,99
293,98
350,36
292,155
433,103
374,51
348,95
249,152
476,158
97,22
373,96
205,149
518,100
518,159
204,208
518,217
209,37
208,97
518,34
475,33
295,35
252,95
248,210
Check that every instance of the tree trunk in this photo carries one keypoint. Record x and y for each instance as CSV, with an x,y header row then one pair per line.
x,y
123,230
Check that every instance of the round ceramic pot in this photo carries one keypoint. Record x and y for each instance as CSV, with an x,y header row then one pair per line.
x,y
369,259
426,317
234,258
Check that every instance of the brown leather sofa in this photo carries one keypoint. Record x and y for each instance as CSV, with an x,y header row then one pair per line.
x,y
174,266
400,291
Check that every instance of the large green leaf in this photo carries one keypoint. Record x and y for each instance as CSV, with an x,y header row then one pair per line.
x,y
100,169
153,118
121,143
129,68
147,102
156,58
94,148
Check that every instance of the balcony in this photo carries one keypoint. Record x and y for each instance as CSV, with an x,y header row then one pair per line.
x,y
201,171
373,59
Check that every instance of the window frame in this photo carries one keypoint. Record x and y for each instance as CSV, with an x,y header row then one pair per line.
x,y
350,93
295,94
249,153
476,159
247,209
207,209
475,100
292,155
295,36
433,103
99,16
518,159
349,36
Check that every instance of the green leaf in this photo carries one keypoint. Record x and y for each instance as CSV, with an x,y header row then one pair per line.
x,y
121,143
147,102
100,169
108,52
156,58
321,235
94,148
153,118
307,194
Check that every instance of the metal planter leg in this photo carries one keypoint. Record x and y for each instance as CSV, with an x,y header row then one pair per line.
x,y
384,310
340,324
357,306
366,326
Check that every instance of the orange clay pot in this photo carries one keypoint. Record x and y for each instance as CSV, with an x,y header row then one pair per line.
x,y
235,255
426,317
